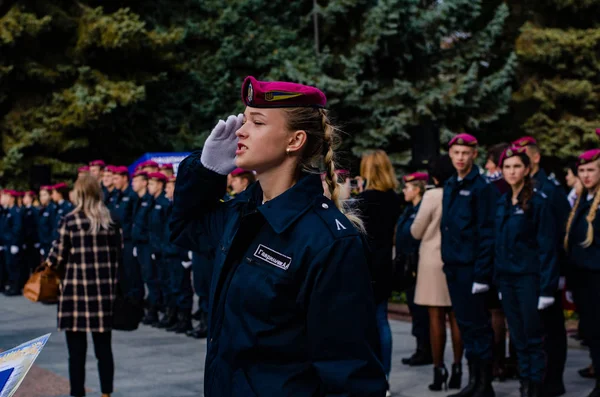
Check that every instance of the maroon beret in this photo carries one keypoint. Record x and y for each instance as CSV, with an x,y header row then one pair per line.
x,y
239,171
110,168
166,166
511,152
463,140
85,168
588,157
121,170
30,193
97,163
141,173
60,185
598,132
525,141
159,176
415,176
46,187
280,94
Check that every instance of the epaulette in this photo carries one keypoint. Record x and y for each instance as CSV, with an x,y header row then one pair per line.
x,y
337,223
552,178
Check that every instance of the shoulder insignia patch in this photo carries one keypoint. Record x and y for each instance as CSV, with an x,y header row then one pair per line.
x,y
339,225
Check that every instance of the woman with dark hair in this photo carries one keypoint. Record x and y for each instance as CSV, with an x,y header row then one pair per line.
x,y
432,289
525,266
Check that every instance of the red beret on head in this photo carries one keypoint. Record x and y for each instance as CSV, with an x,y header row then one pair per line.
x,y
121,170
46,187
110,168
30,193
150,163
588,157
141,173
10,192
85,168
415,176
598,132
463,140
159,176
279,94
172,179
167,166
60,185
524,141
239,171
97,163
511,152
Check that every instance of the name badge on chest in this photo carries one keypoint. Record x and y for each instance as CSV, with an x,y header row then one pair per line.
x,y
519,211
273,257
464,193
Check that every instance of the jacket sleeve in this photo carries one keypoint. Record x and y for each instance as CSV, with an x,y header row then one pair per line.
x,y
341,324
18,231
547,249
485,209
59,253
423,218
197,209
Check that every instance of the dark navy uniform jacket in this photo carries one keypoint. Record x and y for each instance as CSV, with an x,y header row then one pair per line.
x,y
111,198
12,229
580,257
169,249
141,219
468,224
558,201
405,243
30,226
122,210
46,224
159,216
3,212
526,241
62,210
291,309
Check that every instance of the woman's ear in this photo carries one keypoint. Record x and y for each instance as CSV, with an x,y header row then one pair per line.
x,y
297,141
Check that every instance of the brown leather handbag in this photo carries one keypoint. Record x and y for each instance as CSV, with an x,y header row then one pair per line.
x,y
43,285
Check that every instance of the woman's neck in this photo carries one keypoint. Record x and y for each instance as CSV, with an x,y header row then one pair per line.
x,y
416,201
276,181
516,190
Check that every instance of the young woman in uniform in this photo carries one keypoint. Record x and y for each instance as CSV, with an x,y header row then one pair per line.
x,y
526,270
291,307
582,243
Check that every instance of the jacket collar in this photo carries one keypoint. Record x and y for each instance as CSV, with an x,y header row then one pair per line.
x,y
469,177
540,177
286,208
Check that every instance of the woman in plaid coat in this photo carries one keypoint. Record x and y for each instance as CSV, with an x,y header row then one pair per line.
x,y
87,251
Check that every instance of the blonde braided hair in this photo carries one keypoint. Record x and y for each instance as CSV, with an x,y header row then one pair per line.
x,y
570,222
591,216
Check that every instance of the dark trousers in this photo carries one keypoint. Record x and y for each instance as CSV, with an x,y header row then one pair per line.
x,y
520,299
555,344
30,260
149,274
471,313
164,282
420,318
181,284
46,248
3,270
202,263
131,280
13,267
587,283
77,345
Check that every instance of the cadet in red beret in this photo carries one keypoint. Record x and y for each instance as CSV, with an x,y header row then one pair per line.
x,y
167,169
240,180
582,243
108,185
60,196
81,171
552,317
150,166
46,220
282,224
97,168
31,244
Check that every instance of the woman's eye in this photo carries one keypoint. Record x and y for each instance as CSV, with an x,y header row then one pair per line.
x,y
259,123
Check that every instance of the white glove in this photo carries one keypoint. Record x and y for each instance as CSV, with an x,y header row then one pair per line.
x,y
500,295
1,248
545,302
14,249
42,252
561,283
569,297
186,264
135,252
190,255
36,245
153,257
479,288
218,154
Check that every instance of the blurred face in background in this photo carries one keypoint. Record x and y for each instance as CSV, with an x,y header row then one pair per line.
x,y
120,181
4,200
589,174
155,187
44,197
238,184
139,184
56,196
107,180
169,190
571,179
27,200
491,167
96,172
167,171
411,192
514,171
462,157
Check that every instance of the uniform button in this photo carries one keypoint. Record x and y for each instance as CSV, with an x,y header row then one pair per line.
x,y
324,205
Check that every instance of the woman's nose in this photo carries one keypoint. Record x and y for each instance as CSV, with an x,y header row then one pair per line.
x,y
241,132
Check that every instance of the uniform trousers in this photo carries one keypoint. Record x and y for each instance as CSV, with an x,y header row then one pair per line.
x,y
520,299
555,345
587,283
13,267
131,282
471,313
31,259
149,274
420,318
202,263
77,346
3,269
180,280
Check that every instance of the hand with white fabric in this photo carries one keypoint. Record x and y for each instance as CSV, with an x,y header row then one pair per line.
x,y
42,252
14,249
135,252
153,257
190,254
218,154
186,264
545,302
500,295
479,288
569,296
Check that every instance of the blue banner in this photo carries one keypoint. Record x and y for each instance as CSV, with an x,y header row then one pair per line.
x,y
161,158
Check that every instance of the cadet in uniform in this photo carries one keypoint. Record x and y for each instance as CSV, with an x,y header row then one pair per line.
x,y
467,252
158,279
60,193
108,185
46,222
3,269
291,306
167,170
553,317
12,236
141,242
582,242
96,169
150,166
82,171
31,245
525,266
176,260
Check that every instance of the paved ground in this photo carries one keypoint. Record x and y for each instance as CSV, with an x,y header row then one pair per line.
x,y
153,363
